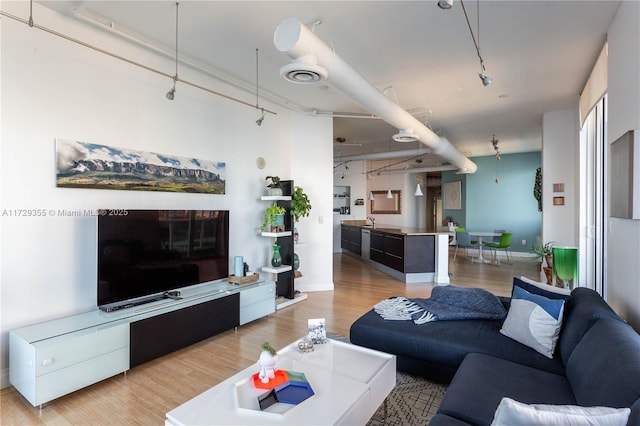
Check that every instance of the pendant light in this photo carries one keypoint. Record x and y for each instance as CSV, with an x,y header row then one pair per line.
x,y
370,195
171,94
418,192
389,194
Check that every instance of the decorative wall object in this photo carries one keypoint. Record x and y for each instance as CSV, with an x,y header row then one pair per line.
x,y
537,188
93,166
558,201
625,176
453,195
558,187
381,204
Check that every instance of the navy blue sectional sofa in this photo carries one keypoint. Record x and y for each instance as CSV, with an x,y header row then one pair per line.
x,y
596,361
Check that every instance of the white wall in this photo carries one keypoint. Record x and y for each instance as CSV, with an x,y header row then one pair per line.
x,y
623,251
52,88
559,165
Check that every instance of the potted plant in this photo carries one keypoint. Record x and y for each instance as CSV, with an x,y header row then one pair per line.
x,y
274,188
300,204
545,251
273,217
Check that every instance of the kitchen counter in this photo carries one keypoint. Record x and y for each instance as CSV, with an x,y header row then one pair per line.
x,y
392,229
406,253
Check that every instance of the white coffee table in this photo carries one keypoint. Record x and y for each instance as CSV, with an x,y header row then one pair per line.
x,y
350,382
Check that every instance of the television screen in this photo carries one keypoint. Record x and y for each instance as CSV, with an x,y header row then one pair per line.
x,y
150,252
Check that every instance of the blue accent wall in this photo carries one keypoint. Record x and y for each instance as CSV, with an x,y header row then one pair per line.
x,y
509,204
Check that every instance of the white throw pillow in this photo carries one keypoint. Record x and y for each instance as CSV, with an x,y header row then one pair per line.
x,y
514,413
547,287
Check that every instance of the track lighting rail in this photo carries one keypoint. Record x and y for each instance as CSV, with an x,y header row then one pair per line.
x,y
175,78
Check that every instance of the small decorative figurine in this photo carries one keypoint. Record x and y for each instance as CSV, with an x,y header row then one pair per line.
x,y
267,363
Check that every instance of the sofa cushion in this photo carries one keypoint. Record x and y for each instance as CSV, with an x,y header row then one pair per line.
x,y
534,320
481,381
542,289
581,312
514,413
444,420
604,368
444,342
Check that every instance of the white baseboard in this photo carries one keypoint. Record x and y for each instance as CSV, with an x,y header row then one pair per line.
x,y
4,379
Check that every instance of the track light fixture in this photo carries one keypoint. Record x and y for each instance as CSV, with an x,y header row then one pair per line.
x,y
486,80
261,119
445,4
171,94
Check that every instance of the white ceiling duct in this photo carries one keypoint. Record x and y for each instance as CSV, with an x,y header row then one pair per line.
x,y
297,41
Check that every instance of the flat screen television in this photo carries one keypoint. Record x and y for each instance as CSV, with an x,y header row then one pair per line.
x,y
145,255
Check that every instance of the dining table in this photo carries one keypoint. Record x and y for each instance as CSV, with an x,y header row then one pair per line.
x,y
481,235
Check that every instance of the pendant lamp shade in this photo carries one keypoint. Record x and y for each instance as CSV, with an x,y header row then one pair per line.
x,y
389,194
370,196
418,192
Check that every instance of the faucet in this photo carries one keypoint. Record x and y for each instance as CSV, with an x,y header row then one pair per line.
x,y
373,221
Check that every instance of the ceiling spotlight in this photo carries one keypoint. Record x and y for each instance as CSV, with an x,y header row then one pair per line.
x,y
405,135
261,119
445,4
171,93
486,80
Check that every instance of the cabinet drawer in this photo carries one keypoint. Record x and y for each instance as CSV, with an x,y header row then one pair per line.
x,y
258,294
257,310
62,354
64,381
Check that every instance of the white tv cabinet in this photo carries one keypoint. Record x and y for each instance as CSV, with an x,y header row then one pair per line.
x,y
54,358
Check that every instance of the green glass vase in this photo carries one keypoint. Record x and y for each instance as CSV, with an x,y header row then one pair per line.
x,y
565,266
276,258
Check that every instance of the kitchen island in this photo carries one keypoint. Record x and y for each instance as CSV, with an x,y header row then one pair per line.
x,y
408,254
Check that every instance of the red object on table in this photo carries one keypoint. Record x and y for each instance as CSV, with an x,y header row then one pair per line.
x,y
280,378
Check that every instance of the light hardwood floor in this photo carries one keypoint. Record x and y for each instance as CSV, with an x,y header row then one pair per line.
x,y
147,392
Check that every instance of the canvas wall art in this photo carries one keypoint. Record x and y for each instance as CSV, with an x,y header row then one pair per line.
x,y
453,195
89,165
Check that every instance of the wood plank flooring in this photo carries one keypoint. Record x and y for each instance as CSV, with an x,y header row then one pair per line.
x,y
147,392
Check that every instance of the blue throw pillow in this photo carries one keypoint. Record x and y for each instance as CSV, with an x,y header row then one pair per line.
x,y
542,289
534,320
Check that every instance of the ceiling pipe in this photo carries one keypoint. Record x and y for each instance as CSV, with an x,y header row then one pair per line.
x,y
417,170
295,40
382,155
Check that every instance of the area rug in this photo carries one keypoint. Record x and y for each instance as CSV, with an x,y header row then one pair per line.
x,y
413,401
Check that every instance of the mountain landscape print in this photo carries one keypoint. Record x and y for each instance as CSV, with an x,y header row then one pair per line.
x,y
89,165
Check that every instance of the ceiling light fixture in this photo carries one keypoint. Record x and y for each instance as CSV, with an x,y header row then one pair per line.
x,y
445,4
494,141
486,80
261,119
171,94
389,194
418,192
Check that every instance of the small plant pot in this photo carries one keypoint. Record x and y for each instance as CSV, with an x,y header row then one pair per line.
x,y
274,191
